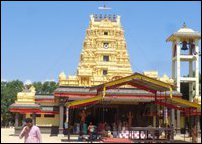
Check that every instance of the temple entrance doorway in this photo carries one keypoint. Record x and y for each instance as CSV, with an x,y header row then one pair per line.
x,y
103,113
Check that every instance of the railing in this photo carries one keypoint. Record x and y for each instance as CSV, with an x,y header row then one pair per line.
x,y
151,134
139,134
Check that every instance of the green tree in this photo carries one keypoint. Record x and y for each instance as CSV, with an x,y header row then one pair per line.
x,y
9,92
38,86
47,87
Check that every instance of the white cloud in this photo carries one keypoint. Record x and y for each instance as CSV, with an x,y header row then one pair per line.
x,y
4,80
27,82
49,80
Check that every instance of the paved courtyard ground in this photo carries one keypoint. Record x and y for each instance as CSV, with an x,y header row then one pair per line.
x,y
7,136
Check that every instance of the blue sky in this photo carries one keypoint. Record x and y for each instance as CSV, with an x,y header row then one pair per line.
x,y
42,39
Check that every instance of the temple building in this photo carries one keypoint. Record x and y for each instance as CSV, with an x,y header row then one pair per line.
x,y
104,58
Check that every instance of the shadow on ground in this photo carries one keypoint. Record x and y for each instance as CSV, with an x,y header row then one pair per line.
x,y
66,140
75,140
13,135
181,141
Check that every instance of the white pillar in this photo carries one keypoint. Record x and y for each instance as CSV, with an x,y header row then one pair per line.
x,y
173,69
165,115
173,62
61,109
191,83
191,68
16,119
172,115
197,67
178,80
173,118
178,65
67,122
178,121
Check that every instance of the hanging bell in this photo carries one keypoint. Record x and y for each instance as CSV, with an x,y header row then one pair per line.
x,y
184,45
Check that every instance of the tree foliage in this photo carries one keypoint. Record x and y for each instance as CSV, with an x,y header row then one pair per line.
x,y
47,87
9,92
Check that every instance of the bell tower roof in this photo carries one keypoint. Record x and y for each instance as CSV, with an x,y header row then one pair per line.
x,y
184,33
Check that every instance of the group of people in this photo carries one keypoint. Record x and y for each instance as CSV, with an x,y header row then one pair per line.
x,y
166,133
103,129
32,133
83,130
112,130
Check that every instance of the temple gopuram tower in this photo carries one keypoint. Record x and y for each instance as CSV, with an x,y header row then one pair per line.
x,y
104,55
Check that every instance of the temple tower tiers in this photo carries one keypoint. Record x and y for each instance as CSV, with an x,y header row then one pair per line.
x,y
104,56
185,49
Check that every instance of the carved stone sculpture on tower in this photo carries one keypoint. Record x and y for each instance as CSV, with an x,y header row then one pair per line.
x,y
104,54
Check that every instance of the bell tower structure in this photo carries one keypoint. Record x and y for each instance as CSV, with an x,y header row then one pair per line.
x,y
185,49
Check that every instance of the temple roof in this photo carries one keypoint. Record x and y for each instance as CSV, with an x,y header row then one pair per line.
x,y
49,108
184,32
37,96
117,91
36,108
14,105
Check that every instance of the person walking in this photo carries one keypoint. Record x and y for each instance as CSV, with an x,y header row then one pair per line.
x,y
91,130
30,132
